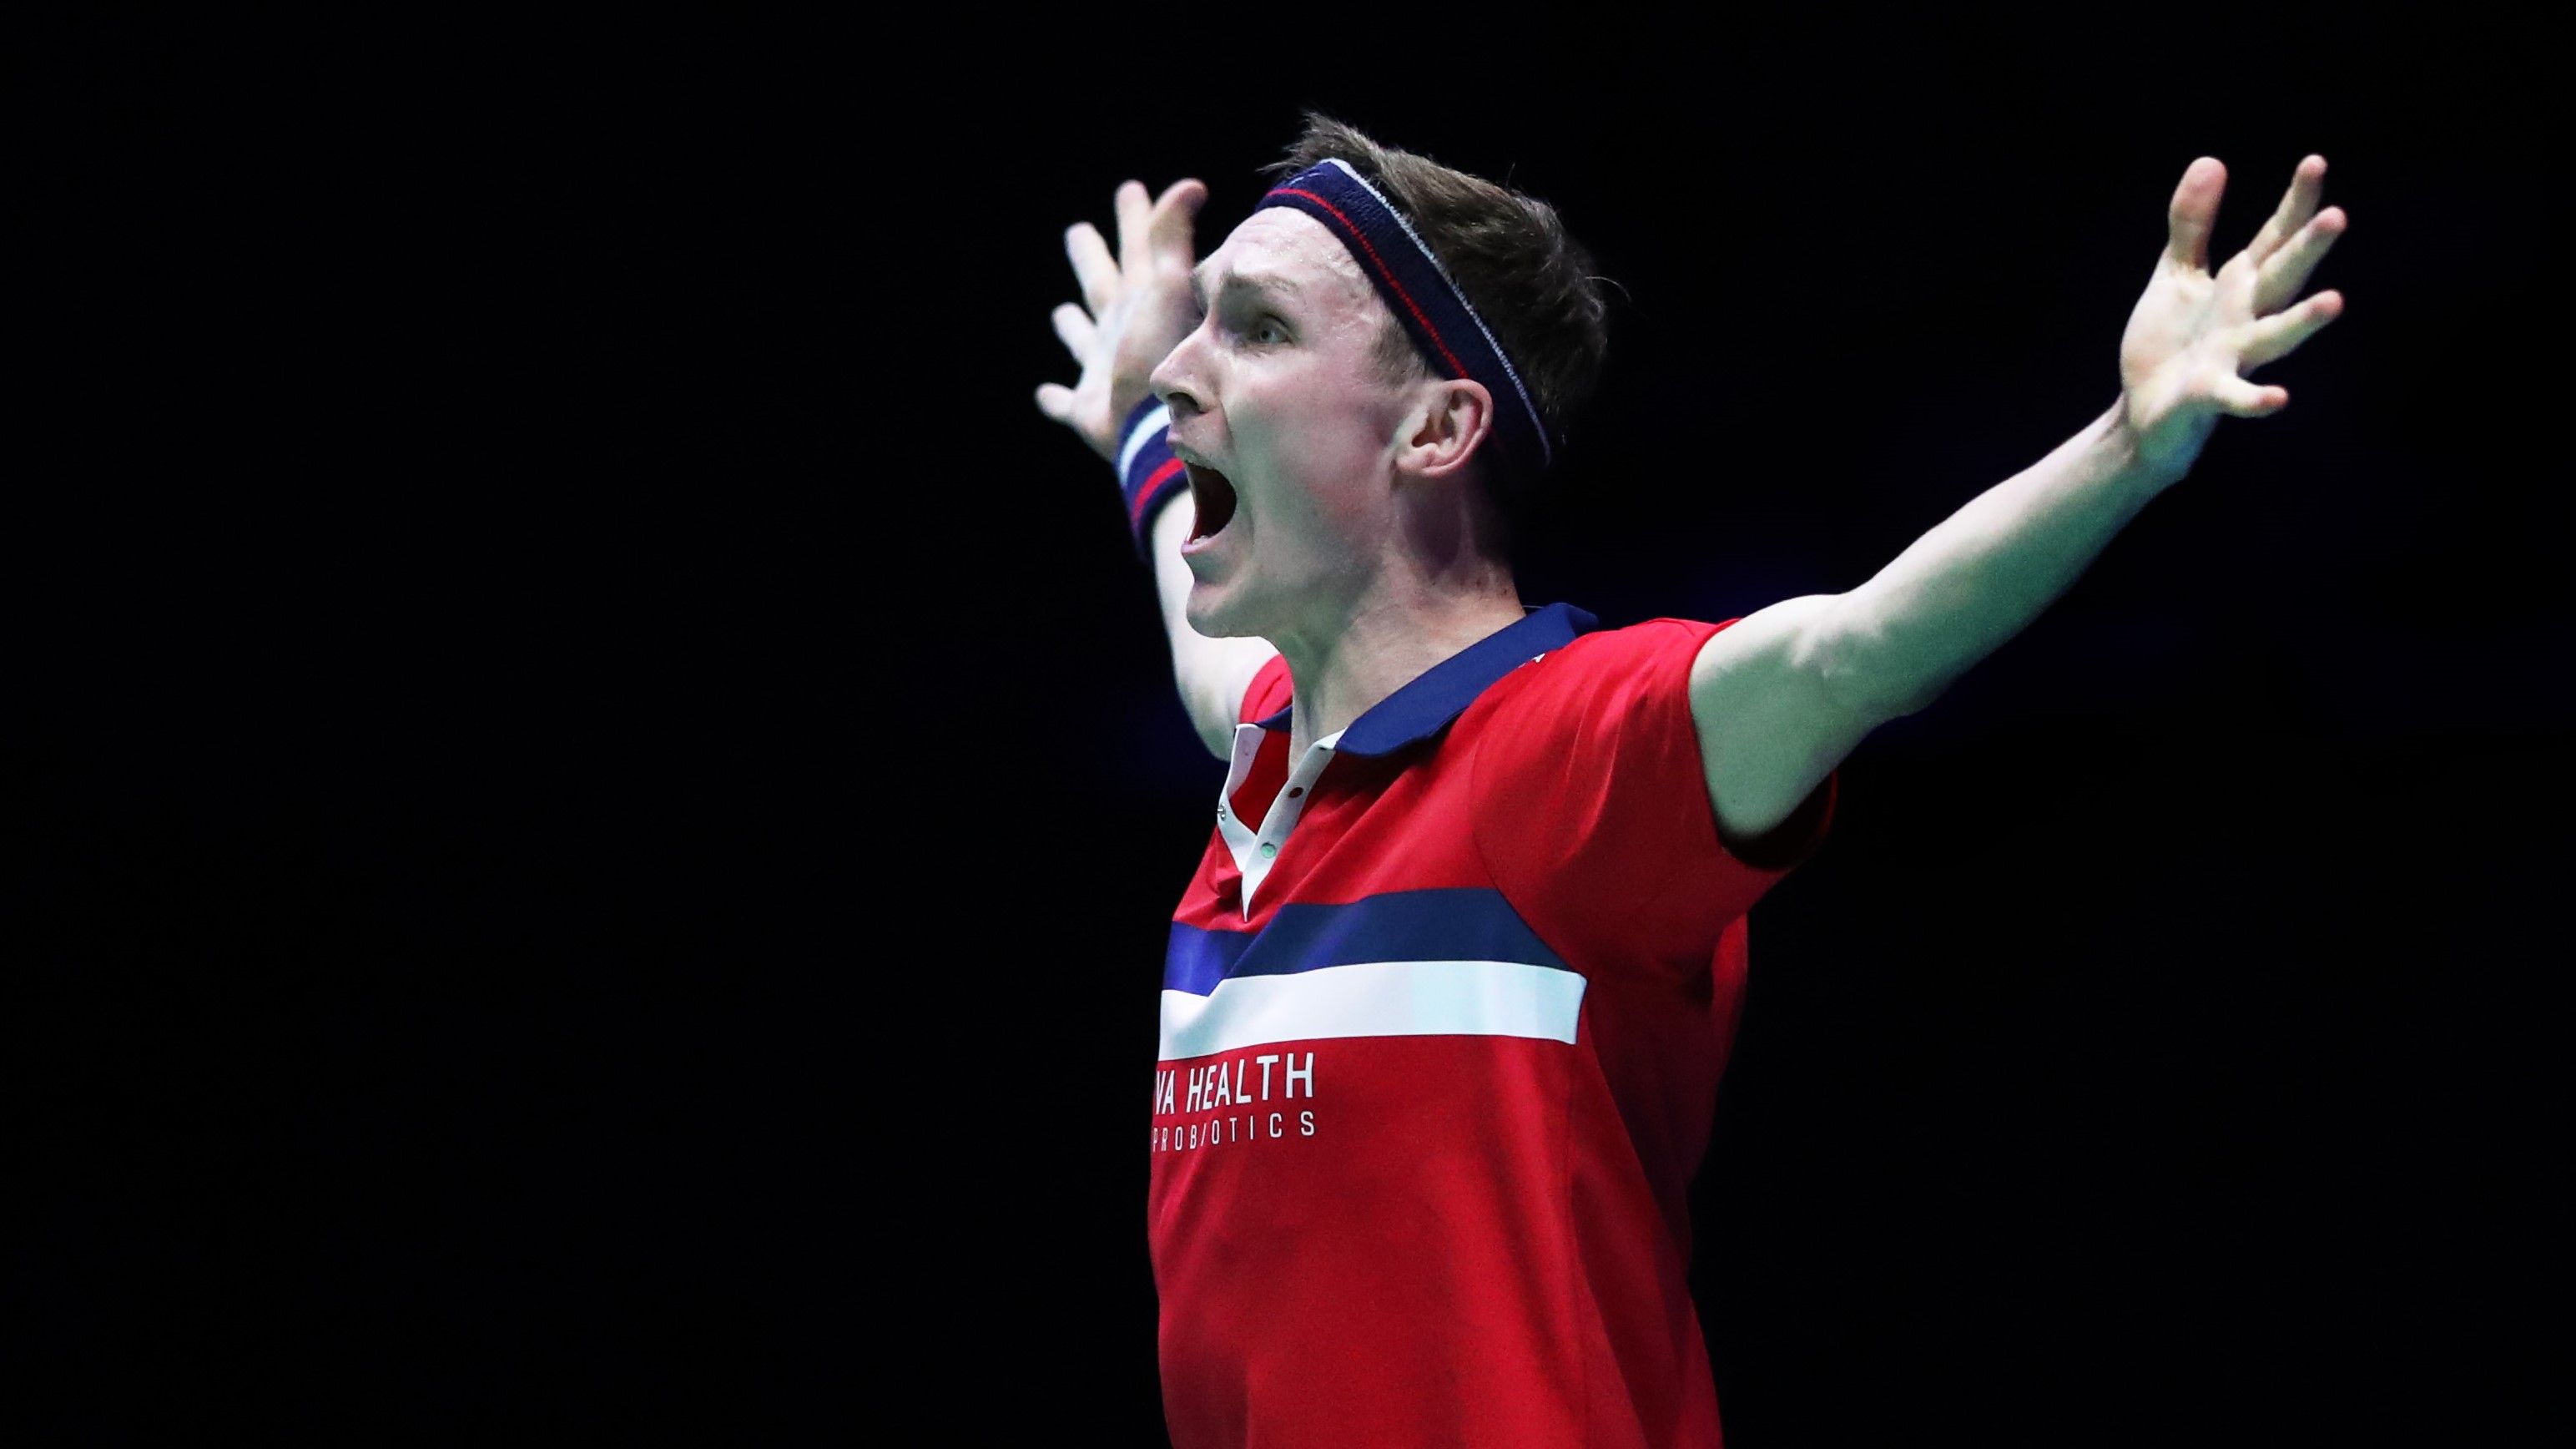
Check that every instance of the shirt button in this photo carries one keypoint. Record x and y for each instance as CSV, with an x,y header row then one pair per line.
x,y
1268,850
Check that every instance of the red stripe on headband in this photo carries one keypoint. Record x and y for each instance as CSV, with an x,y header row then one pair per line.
x,y
1456,367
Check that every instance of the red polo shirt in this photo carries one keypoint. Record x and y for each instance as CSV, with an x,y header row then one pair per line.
x,y
1444,1011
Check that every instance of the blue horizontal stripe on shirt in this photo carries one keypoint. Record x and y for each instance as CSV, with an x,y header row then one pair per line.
x,y
1456,923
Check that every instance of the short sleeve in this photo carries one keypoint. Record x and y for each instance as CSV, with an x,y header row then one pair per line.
x,y
1590,804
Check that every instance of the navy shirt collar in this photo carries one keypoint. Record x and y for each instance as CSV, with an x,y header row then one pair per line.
x,y
1426,705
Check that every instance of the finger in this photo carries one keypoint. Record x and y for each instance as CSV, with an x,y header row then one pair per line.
x,y
2241,399
1056,401
2307,186
1135,216
1171,237
2192,212
1093,265
2281,333
2286,274
1080,336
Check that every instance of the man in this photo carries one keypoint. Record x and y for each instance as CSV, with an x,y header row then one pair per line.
x,y
1447,1000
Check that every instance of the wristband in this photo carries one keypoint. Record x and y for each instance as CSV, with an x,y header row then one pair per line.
x,y
1148,474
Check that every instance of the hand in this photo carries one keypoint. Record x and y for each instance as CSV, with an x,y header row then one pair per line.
x,y
2193,334
1140,309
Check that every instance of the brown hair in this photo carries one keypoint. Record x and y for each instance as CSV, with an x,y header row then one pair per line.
x,y
1525,274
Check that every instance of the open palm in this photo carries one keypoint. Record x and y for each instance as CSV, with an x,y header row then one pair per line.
x,y
2193,335
1138,309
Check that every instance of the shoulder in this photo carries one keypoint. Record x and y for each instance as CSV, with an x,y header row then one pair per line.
x,y
1638,656
1643,640
1590,803
1603,693
1648,637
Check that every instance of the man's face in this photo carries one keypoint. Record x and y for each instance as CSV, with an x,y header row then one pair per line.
x,y
1279,392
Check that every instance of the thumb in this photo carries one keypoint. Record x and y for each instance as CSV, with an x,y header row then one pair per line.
x,y
1175,218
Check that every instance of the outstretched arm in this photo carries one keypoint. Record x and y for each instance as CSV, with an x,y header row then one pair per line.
x,y
1781,696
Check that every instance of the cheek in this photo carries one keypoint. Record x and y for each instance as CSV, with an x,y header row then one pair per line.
x,y
1321,426
1323,448
1343,453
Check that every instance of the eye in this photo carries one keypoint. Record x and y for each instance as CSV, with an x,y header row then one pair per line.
x,y
1269,325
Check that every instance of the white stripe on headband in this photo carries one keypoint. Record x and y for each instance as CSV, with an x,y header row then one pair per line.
x,y
1547,450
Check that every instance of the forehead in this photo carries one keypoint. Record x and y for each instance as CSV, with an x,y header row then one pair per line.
x,y
1286,243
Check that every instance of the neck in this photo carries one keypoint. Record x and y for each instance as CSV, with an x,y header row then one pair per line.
x,y
1344,665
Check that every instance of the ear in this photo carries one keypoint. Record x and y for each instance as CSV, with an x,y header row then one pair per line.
x,y
1449,421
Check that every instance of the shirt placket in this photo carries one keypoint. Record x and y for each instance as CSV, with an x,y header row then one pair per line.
x,y
1254,851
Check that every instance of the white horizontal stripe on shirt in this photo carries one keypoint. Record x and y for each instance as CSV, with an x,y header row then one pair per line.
x,y
1377,998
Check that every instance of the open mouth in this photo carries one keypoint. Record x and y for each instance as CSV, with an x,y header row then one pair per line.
x,y
1213,493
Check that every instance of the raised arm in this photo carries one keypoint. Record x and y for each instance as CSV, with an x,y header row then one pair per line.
x,y
1781,696
1136,307
1212,673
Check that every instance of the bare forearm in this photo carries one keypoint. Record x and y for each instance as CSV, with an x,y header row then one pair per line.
x,y
1210,673
1168,531
1958,592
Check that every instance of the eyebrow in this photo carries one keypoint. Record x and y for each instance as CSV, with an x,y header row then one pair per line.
x,y
1268,283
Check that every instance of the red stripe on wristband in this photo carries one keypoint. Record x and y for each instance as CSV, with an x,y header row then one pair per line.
x,y
1153,481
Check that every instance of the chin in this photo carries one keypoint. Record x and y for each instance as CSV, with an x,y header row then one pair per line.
x,y
1212,614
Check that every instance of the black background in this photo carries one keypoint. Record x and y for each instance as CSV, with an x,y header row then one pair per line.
x,y
589,794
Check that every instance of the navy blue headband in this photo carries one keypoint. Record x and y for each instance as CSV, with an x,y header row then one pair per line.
x,y
1419,292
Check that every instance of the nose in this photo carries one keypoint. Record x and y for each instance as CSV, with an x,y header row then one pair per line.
x,y
1176,379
